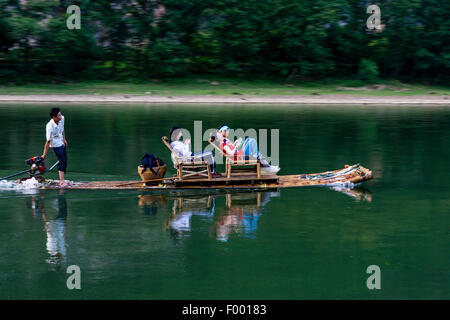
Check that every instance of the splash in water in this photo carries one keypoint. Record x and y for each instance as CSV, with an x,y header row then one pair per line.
x,y
27,186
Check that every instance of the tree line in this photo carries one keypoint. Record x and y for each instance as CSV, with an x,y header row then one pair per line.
x,y
287,39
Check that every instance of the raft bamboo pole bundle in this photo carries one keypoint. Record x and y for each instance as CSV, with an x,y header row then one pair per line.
x,y
341,177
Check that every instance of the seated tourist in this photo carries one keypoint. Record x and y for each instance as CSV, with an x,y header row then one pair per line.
x,y
249,149
227,146
183,150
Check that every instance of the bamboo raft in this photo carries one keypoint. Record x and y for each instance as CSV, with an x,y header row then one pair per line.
x,y
348,176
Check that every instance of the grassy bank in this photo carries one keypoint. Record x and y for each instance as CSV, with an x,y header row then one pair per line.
x,y
212,86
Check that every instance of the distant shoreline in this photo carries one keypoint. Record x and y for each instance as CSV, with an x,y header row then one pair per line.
x,y
232,99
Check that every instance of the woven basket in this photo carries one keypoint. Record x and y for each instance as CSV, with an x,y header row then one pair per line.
x,y
149,175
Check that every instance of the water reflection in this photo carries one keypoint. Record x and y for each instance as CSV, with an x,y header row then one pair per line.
x,y
55,228
226,213
241,214
152,203
184,208
360,193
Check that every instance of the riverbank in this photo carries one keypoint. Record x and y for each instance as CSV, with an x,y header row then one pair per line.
x,y
226,87
235,91
232,99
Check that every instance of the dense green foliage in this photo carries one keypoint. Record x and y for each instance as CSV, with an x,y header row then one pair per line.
x,y
287,39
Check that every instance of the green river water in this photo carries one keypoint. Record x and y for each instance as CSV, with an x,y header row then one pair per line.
x,y
303,243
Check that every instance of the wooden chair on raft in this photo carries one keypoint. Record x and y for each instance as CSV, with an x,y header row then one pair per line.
x,y
236,161
188,167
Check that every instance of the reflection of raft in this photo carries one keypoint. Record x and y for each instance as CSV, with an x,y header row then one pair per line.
x,y
347,176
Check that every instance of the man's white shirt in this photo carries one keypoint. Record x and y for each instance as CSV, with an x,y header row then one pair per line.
x,y
182,149
54,133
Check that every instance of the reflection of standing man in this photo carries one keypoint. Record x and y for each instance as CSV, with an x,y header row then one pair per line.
x,y
55,228
56,232
56,139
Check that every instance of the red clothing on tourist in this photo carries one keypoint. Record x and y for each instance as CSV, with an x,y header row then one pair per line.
x,y
228,143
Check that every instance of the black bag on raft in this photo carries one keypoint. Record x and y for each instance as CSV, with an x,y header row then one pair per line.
x,y
150,161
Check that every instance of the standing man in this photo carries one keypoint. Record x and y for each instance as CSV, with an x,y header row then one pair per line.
x,y
56,139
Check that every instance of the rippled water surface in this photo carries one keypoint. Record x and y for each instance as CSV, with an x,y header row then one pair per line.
x,y
304,243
